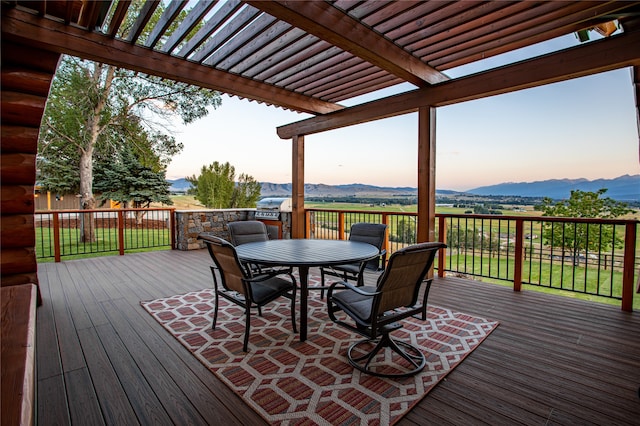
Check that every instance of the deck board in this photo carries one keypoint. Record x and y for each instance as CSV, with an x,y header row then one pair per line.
x,y
553,359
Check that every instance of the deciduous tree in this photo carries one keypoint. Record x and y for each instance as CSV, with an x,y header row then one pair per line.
x,y
96,110
578,237
215,187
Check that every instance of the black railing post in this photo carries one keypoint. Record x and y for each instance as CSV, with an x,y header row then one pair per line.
x,y
442,237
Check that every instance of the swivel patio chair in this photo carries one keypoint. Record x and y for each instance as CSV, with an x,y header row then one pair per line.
x,y
239,286
375,312
371,233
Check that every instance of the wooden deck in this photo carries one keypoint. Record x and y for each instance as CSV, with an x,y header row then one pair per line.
x,y
102,360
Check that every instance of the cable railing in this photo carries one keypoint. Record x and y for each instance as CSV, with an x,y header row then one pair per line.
x,y
76,233
598,257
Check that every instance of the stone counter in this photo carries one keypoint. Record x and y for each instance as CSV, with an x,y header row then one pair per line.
x,y
190,223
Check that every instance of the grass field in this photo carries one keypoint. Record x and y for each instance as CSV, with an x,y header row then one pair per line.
x,y
188,202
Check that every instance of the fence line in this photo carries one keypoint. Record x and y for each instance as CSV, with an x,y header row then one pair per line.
x,y
63,233
597,257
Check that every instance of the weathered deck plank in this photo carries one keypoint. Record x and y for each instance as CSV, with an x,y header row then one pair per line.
x,y
551,360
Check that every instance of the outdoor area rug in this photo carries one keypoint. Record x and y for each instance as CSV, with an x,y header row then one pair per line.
x,y
291,382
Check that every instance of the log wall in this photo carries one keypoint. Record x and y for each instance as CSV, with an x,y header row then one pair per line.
x,y
26,78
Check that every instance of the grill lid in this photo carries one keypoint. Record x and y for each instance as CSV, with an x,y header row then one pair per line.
x,y
277,204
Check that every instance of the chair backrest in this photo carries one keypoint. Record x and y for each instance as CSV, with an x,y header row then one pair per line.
x,y
406,270
247,231
370,233
225,257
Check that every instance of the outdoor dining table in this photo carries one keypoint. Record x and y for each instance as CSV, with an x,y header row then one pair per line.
x,y
303,254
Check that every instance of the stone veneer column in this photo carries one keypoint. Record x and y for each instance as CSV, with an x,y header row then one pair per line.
x,y
190,223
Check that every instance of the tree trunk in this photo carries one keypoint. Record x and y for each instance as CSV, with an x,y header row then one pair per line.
x,y
93,129
87,200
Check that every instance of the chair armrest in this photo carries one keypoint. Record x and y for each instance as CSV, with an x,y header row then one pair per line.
x,y
349,286
383,259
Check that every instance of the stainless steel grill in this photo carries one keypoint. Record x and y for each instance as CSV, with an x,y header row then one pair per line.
x,y
270,208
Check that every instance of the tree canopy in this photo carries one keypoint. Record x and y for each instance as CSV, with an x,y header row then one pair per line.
x,y
96,111
216,187
580,237
127,180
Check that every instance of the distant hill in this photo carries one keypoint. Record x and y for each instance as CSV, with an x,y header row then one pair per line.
x,y
623,188
351,190
179,185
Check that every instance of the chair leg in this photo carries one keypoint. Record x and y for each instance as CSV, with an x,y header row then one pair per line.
x,y
410,353
293,310
215,312
215,293
321,283
247,327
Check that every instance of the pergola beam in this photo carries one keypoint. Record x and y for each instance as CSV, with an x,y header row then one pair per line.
x,y
587,59
336,27
54,36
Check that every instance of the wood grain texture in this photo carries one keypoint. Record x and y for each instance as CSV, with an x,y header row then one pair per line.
x,y
18,169
22,108
20,139
16,199
17,231
19,260
552,358
18,354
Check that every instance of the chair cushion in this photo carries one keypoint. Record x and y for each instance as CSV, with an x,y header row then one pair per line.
x,y
356,303
263,291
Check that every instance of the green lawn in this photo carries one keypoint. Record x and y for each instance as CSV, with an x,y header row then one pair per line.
x,y
579,282
106,244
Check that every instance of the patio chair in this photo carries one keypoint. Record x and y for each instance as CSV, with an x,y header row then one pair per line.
x,y
238,286
371,233
249,231
375,312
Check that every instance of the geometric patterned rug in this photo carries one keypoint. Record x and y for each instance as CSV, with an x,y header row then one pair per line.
x,y
289,382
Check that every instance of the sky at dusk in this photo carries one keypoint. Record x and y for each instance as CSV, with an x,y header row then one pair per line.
x,y
582,128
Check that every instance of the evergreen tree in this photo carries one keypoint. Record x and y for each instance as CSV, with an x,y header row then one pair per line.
x,y
130,182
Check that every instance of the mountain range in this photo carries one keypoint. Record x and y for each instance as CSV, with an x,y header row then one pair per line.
x,y
623,188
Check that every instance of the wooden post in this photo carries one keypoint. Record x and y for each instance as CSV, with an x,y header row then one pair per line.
x,y
340,225
297,188
426,174
172,228
56,237
517,269
385,243
628,268
121,232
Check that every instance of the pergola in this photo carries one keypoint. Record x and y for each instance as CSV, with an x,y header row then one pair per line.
x,y
304,56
